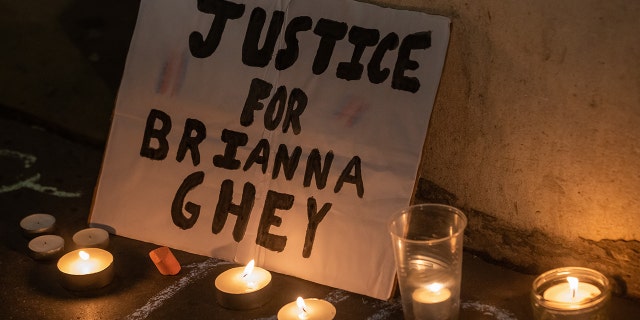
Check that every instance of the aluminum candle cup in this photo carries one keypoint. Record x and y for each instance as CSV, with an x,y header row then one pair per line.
x,y
307,309
46,247
91,238
37,224
571,293
86,269
243,288
427,244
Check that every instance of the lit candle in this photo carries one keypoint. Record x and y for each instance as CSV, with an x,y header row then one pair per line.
x,y
45,247
243,287
86,269
38,224
307,309
91,238
432,302
573,292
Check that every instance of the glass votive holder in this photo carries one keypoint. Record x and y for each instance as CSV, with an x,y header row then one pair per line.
x,y
427,243
571,293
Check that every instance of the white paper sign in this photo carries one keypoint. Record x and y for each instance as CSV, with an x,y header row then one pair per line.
x,y
282,131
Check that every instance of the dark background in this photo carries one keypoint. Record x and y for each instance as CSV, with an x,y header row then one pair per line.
x,y
61,67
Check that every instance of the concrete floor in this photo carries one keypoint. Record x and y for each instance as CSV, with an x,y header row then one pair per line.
x,y
46,172
61,69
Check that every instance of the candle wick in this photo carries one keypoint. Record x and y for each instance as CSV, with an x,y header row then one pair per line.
x,y
573,293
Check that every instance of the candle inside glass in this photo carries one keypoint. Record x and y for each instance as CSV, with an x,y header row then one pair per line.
x,y
432,293
573,292
432,301
427,242
570,293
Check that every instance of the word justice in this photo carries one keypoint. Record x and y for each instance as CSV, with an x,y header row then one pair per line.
x,y
330,32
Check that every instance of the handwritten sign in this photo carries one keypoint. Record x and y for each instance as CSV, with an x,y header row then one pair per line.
x,y
281,131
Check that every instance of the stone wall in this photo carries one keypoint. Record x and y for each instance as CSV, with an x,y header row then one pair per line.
x,y
535,132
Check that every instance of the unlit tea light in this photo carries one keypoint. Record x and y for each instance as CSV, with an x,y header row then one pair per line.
x,y
86,269
307,309
91,238
38,224
45,247
243,287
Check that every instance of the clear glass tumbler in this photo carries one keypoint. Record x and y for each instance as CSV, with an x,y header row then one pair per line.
x,y
427,242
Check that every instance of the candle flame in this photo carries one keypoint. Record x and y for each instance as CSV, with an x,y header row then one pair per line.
x,y
248,269
435,287
302,307
573,285
300,303
83,255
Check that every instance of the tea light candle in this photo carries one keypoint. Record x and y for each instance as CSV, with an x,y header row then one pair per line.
x,y
86,269
431,302
307,309
91,238
571,293
45,247
243,287
37,224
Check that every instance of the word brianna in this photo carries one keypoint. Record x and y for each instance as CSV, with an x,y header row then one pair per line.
x,y
195,132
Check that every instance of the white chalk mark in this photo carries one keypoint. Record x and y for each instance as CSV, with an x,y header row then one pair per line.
x,y
336,296
27,159
31,183
198,271
385,312
499,314
385,309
